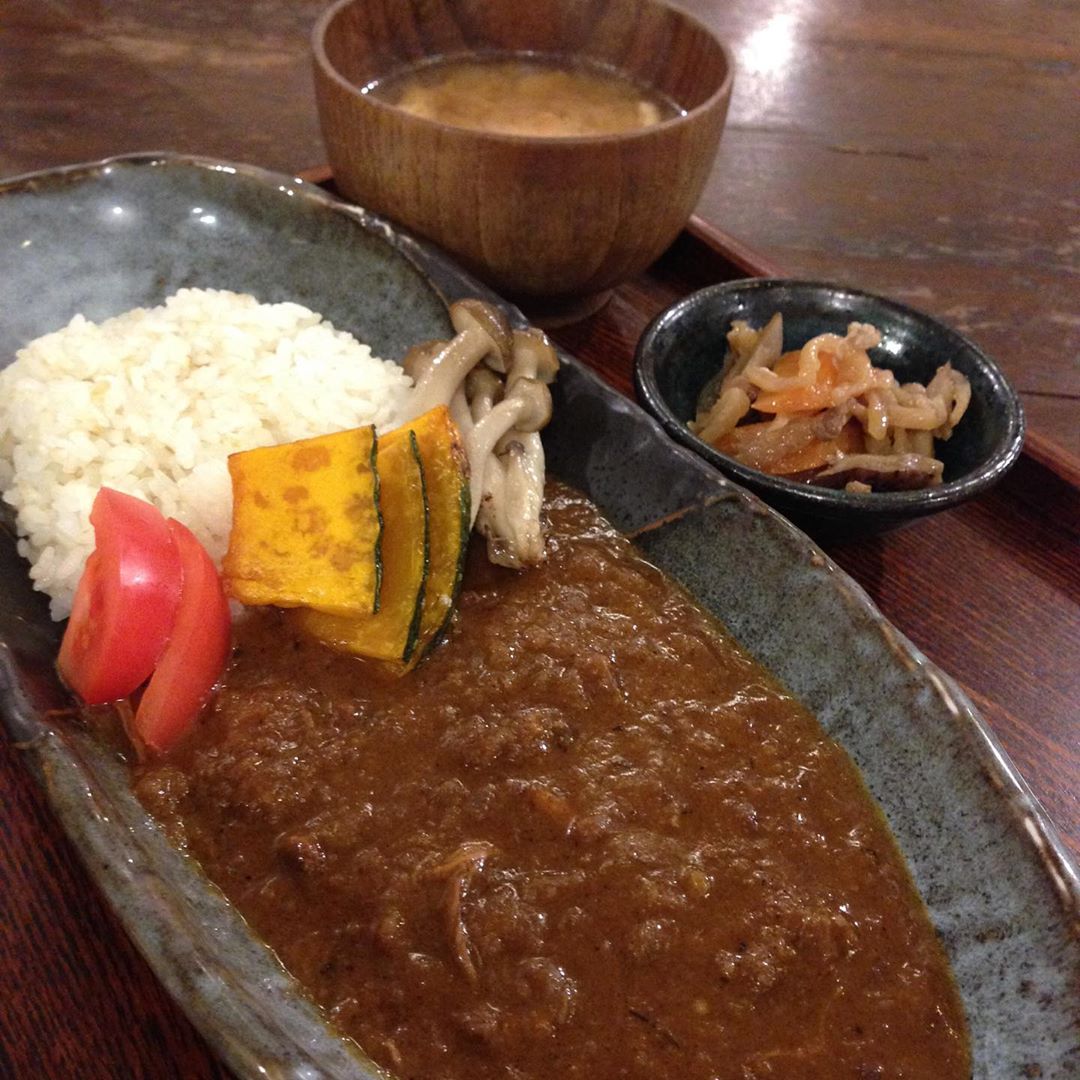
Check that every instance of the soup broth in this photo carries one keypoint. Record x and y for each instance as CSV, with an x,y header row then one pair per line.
x,y
588,837
526,95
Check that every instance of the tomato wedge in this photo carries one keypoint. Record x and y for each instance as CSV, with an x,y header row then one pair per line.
x,y
195,655
125,603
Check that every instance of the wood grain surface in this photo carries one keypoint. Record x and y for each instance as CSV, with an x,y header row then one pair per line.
x,y
923,149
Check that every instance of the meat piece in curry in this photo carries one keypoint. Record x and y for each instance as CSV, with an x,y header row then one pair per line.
x,y
588,837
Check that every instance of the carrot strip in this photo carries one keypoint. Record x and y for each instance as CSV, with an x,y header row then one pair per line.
x,y
800,399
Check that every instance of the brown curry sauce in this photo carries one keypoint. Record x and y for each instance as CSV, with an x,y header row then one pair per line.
x,y
587,838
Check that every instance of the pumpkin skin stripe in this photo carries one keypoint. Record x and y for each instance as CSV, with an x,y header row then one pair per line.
x,y
391,633
446,476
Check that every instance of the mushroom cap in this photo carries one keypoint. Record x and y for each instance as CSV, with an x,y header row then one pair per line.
x,y
417,361
475,315
536,399
534,357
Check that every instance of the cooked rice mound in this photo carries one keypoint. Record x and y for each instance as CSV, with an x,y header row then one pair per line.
x,y
152,402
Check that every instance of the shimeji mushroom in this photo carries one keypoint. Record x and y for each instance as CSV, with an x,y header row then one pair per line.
x,y
509,486
483,388
524,407
500,423
518,539
482,331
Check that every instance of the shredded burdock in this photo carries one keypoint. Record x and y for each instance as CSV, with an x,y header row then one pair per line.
x,y
825,414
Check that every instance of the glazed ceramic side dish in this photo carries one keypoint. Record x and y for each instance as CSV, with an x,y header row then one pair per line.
x,y
684,347
998,885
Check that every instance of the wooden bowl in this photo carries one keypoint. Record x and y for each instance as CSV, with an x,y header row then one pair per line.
x,y
549,222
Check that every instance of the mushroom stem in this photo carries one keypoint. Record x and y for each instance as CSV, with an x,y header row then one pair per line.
x,y
491,516
444,371
527,407
459,411
522,499
498,422
484,388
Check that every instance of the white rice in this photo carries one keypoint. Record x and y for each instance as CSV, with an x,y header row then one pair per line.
x,y
152,402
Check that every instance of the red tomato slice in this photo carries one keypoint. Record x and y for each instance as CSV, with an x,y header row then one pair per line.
x,y
196,653
125,603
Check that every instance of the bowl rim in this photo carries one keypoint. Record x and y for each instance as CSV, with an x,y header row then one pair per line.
x,y
720,94
1006,449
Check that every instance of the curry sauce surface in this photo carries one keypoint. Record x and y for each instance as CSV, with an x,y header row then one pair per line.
x,y
587,838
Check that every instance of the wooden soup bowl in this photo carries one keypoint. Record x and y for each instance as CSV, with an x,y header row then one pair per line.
x,y
550,222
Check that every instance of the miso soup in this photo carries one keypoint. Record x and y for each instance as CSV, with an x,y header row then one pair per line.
x,y
526,94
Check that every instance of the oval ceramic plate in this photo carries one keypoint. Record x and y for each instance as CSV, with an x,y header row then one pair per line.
x,y
1000,890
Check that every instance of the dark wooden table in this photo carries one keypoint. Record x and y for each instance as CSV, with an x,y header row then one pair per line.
x,y
925,149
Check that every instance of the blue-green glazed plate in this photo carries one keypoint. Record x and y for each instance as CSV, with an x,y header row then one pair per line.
x,y
105,237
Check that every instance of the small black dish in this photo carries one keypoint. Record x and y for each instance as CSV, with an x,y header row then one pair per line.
x,y
685,345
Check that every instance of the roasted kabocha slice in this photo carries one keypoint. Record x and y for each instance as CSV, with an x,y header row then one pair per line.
x,y
385,594
306,524
446,478
392,633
